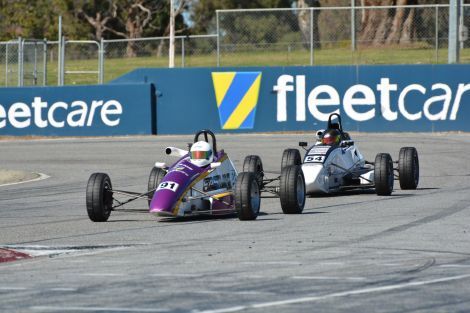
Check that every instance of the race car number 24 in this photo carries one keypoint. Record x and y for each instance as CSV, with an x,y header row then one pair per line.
x,y
168,185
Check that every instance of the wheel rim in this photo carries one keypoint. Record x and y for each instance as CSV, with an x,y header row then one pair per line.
x,y
390,175
107,197
300,190
416,170
255,197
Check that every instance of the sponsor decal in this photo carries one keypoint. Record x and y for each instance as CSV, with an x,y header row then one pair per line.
x,y
236,96
217,182
359,101
78,114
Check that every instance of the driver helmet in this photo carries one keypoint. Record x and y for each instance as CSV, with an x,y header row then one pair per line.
x,y
201,153
331,137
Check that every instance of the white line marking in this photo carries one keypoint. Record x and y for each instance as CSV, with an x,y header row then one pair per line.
x,y
273,263
93,309
13,288
176,275
41,177
230,292
454,265
335,295
331,263
102,274
329,278
62,289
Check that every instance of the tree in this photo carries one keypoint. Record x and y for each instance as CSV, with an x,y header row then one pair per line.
x,y
99,14
393,26
304,22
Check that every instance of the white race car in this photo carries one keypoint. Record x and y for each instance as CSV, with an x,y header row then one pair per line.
x,y
334,163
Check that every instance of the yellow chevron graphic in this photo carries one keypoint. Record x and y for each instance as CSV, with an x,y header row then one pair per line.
x,y
222,82
247,104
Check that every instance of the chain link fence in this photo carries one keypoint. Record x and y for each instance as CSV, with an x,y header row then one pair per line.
x,y
293,36
340,35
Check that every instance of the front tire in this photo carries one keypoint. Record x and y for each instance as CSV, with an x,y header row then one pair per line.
x,y
383,174
247,196
408,168
99,197
253,164
290,157
292,190
155,177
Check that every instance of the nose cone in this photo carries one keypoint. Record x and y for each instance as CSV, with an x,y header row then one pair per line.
x,y
315,178
163,203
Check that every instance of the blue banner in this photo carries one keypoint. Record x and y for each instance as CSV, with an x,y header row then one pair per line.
x,y
78,111
263,99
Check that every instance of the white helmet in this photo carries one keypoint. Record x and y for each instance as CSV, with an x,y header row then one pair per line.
x,y
201,153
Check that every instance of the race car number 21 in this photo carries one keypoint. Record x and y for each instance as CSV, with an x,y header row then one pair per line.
x,y
168,185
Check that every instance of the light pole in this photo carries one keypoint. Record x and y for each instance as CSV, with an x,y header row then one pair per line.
x,y
172,36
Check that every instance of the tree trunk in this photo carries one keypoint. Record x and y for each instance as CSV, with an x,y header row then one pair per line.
x,y
388,26
304,22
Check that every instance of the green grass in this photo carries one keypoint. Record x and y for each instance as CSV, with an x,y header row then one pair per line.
x,y
119,66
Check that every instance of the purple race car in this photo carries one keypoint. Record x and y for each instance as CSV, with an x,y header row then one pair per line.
x,y
203,181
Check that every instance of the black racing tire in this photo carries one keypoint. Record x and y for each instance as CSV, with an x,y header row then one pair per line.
x,y
408,168
290,157
383,174
99,197
247,196
155,177
253,164
292,190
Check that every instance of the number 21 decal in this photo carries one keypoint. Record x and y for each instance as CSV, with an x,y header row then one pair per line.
x,y
168,185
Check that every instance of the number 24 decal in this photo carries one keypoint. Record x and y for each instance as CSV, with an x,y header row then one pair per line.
x,y
168,185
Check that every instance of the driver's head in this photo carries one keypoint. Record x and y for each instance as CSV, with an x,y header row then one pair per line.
x,y
201,153
331,137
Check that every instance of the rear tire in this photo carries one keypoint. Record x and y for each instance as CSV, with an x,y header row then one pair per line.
x,y
253,164
383,174
292,190
247,196
155,177
408,168
290,157
99,198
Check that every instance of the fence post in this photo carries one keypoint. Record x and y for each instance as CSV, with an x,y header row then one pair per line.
x,y
182,51
311,36
101,62
218,37
20,62
6,64
62,62
44,63
454,11
353,25
59,53
437,34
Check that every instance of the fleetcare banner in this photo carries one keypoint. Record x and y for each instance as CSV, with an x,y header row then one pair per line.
x,y
369,98
78,111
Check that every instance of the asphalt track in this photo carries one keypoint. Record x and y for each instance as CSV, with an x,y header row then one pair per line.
x,y
357,252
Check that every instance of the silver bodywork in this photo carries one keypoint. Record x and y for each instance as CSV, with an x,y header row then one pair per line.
x,y
330,168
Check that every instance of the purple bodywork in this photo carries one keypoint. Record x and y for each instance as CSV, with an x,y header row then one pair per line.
x,y
165,202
